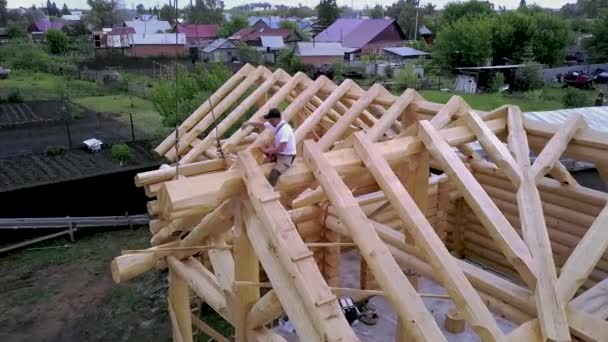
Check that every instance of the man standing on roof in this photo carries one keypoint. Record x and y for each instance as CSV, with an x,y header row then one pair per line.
x,y
283,150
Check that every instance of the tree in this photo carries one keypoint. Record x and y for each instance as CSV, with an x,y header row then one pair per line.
x,y
246,53
289,61
167,12
140,9
294,27
328,12
14,30
465,42
522,3
3,13
57,41
65,10
598,44
155,10
229,28
456,10
376,12
121,153
103,13
205,12
406,13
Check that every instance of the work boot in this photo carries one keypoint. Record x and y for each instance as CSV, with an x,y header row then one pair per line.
x,y
273,178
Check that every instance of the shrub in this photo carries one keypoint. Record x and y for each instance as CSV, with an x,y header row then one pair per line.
x,y
496,82
57,41
529,77
406,78
15,97
53,151
535,95
289,61
389,71
21,54
574,98
15,30
121,153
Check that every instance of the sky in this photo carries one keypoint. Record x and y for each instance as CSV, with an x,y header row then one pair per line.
x,y
230,3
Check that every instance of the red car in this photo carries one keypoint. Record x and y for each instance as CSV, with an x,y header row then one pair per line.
x,y
578,79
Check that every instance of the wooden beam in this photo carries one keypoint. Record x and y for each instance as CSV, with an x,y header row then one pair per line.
x,y
556,146
296,259
493,220
593,301
496,149
453,279
391,115
584,258
179,301
393,282
207,330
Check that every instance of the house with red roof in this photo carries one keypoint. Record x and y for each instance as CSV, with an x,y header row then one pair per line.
x,y
44,25
253,35
198,35
367,35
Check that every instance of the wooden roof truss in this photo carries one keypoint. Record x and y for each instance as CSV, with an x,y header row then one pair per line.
x,y
362,174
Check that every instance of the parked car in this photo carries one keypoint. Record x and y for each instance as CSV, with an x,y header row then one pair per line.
x,y
4,72
600,76
578,79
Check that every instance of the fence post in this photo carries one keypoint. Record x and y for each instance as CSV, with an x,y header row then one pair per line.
x,y
71,229
67,127
132,129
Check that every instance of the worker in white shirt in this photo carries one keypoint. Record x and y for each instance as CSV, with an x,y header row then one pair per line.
x,y
283,150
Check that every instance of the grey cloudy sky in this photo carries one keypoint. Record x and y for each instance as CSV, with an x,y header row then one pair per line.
x,y
230,3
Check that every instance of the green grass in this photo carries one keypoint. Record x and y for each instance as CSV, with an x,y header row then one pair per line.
x,y
491,101
43,86
145,117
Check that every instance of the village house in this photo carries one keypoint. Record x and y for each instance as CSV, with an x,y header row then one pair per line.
x,y
366,35
323,53
252,36
198,36
220,50
158,44
151,26
402,54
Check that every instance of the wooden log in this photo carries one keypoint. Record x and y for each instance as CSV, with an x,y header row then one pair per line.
x,y
203,110
179,303
510,243
454,321
207,330
400,292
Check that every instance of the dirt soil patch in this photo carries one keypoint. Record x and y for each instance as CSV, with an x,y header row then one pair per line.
x,y
67,294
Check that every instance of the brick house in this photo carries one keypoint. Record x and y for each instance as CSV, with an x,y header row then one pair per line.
x,y
198,35
367,35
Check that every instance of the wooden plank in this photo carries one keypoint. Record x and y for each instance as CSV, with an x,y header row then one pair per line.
x,y
556,146
496,149
393,282
593,301
179,300
453,279
493,220
584,258
296,259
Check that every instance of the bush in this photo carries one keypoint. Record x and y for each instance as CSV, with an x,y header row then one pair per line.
x,y
535,95
289,61
575,98
53,151
15,97
389,71
57,41
121,153
406,78
15,30
529,77
21,54
496,82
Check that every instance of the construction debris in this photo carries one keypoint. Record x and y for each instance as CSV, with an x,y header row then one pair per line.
x,y
362,179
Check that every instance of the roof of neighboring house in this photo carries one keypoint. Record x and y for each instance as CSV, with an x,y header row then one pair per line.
x,y
273,21
159,39
322,49
45,25
423,30
219,44
252,34
405,51
71,17
355,33
121,31
143,17
273,42
148,27
198,31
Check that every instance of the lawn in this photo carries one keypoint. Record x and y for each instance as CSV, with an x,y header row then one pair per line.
x,y
145,117
550,100
43,86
